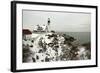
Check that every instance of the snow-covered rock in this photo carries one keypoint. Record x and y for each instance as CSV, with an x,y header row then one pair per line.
x,y
52,46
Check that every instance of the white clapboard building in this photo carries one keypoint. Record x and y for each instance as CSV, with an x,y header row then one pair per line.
x,y
43,28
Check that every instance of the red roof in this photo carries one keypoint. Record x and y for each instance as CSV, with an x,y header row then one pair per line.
x,y
26,31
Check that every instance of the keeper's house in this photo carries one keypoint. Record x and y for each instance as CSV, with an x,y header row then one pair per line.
x,y
26,34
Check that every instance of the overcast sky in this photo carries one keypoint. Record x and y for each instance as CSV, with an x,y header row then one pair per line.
x,y
60,21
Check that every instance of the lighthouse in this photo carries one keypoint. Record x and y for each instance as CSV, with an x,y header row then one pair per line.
x,y
48,25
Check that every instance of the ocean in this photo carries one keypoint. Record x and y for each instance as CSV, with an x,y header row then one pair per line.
x,y
81,37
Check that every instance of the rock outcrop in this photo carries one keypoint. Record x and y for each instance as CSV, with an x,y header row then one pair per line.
x,y
54,47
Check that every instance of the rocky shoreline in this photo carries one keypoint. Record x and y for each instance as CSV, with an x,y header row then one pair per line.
x,y
52,46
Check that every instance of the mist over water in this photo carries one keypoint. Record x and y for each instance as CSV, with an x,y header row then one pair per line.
x,y
81,37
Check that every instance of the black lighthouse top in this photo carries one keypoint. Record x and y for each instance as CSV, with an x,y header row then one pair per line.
x,y
48,21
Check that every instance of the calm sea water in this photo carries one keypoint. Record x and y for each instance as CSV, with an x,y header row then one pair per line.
x,y
82,37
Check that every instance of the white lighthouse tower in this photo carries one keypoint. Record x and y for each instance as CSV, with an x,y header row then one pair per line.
x,y
48,25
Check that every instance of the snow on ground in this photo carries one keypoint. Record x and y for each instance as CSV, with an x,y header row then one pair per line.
x,y
52,47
